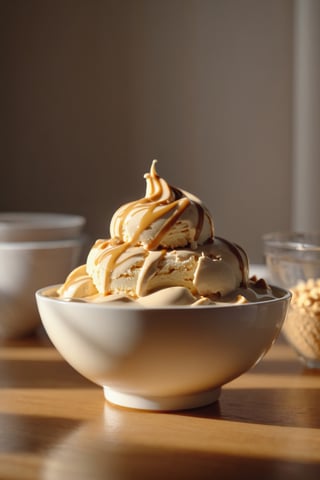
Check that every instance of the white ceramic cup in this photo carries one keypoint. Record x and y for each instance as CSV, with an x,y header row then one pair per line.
x,y
24,268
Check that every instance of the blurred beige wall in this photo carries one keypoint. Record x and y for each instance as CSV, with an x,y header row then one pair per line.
x,y
92,91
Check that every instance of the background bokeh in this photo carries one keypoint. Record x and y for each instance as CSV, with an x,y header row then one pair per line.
x,y
92,91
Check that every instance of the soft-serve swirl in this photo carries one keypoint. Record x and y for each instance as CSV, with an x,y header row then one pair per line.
x,y
167,217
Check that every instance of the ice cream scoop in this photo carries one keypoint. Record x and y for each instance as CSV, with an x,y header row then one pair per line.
x,y
159,242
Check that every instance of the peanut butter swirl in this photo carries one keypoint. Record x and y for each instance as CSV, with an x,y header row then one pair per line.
x,y
162,241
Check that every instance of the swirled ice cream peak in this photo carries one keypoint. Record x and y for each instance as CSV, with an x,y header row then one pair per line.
x,y
166,217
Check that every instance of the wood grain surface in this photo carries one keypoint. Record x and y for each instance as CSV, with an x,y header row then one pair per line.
x,y
54,424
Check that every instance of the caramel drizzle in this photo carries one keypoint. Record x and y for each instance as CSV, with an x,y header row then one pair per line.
x,y
200,221
181,206
160,200
236,250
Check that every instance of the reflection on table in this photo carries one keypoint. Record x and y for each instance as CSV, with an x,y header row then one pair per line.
x,y
56,425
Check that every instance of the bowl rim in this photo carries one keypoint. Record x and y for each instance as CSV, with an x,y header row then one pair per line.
x,y
39,220
44,244
294,240
285,296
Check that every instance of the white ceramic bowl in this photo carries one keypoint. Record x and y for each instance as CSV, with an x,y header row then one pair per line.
x,y
166,358
24,268
39,227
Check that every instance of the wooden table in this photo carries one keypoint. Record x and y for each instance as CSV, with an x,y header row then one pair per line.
x,y
54,424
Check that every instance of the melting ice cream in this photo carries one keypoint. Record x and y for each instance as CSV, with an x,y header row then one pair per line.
x,y
163,250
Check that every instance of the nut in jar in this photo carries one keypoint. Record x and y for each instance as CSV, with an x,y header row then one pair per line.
x,y
302,325
293,261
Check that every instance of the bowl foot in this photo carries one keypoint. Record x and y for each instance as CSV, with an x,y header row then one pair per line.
x,y
170,403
